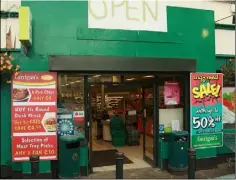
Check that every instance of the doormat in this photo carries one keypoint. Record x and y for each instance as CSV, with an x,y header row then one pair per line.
x,y
106,158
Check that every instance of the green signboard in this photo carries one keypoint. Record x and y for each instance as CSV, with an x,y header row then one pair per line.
x,y
206,99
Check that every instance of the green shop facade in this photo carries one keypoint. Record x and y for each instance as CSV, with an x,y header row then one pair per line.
x,y
63,42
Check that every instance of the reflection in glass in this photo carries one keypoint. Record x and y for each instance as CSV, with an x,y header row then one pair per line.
x,y
71,98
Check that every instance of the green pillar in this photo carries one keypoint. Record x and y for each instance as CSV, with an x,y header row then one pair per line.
x,y
5,120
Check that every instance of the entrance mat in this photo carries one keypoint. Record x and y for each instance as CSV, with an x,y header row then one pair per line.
x,y
106,158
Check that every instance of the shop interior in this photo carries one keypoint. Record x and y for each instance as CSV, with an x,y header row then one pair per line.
x,y
122,114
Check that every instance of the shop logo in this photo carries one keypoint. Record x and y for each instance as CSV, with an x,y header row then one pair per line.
x,y
128,15
47,77
27,78
75,156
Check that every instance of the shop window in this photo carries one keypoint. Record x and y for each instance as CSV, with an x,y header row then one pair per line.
x,y
229,94
71,98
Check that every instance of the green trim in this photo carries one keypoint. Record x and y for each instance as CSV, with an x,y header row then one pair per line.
x,y
225,26
7,14
10,50
223,56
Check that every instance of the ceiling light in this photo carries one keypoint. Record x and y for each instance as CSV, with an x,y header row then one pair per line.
x,y
72,82
62,85
67,84
149,76
97,76
130,79
78,81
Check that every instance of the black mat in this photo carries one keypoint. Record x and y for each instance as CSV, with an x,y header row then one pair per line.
x,y
106,158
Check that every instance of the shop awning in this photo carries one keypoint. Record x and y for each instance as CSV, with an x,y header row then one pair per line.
x,y
128,64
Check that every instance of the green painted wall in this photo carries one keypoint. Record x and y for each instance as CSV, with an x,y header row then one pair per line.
x,y
61,28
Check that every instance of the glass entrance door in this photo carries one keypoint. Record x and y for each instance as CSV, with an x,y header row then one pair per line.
x,y
149,124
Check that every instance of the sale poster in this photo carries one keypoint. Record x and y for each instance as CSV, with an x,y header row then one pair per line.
x,y
34,107
171,93
206,108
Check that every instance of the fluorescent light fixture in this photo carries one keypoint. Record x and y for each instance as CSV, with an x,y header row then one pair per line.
x,y
72,82
97,76
149,76
130,79
67,84
78,81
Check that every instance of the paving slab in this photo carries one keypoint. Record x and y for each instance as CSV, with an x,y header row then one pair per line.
x,y
154,173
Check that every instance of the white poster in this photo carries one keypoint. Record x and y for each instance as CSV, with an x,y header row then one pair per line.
x,y
146,15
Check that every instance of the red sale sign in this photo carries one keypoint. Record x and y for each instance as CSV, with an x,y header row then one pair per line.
x,y
34,123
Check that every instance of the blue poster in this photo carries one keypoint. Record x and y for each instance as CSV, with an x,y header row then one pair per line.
x,y
65,124
161,128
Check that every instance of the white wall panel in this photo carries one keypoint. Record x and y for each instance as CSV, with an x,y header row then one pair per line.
x,y
221,9
225,41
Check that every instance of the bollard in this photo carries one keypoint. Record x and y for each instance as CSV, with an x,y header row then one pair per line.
x,y
54,169
191,163
34,160
119,165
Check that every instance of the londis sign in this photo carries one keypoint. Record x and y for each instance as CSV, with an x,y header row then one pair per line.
x,y
206,99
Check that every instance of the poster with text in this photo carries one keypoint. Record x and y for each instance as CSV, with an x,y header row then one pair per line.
x,y
206,109
34,107
171,93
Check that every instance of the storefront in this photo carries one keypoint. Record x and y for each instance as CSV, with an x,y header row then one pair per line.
x,y
68,42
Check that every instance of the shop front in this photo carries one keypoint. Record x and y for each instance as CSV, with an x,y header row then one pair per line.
x,y
136,92
70,43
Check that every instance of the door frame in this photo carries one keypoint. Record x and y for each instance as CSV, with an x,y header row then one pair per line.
x,y
88,117
153,162
155,82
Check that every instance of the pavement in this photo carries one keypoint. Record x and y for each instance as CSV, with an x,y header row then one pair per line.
x,y
222,171
154,173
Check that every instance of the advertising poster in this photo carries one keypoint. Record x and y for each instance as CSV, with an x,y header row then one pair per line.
x,y
229,107
78,116
65,124
206,109
34,107
171,93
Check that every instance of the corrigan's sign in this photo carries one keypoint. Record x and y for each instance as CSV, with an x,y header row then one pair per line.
x,y
147,15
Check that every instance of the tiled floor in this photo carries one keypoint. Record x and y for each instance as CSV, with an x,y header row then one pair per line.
x,y
134,153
